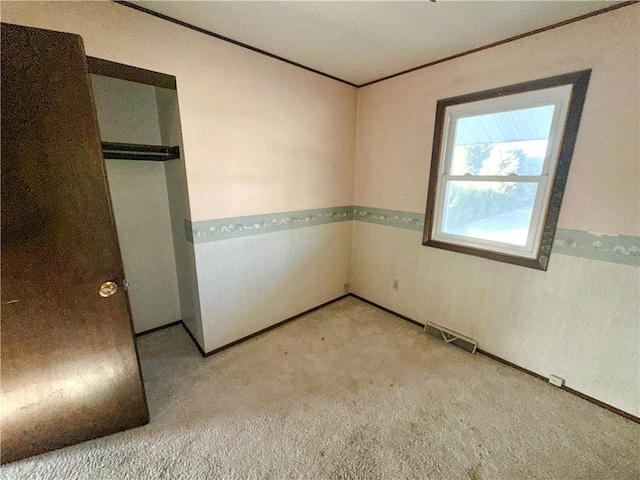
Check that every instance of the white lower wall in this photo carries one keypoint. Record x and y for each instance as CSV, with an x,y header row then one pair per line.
x,y
250,283
579,320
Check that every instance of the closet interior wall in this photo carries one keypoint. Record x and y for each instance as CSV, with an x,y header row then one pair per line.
x,y
180,211
148,198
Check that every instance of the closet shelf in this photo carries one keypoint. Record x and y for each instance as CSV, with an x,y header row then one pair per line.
x,y
130,151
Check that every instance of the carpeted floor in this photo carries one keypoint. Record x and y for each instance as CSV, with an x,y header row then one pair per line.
x,y
347,392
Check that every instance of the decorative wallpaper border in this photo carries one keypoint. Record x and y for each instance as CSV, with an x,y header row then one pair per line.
x,y
390,218
226,228
622,249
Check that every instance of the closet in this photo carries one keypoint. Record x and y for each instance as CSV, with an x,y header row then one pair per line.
x,y
69,369
82,260
141,143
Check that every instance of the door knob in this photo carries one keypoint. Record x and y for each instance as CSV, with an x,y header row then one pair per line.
x,y
108,288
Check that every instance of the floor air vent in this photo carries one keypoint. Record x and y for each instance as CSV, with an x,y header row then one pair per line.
x,y
449,336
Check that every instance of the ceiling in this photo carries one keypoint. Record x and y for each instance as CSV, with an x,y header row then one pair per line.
x,y
363,41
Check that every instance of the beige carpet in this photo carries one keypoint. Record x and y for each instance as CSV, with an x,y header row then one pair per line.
x,y
347,392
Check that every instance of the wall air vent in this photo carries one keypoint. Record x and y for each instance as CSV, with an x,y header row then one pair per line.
x,y
449,336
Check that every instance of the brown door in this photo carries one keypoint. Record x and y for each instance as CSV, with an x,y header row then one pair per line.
x,y
69,366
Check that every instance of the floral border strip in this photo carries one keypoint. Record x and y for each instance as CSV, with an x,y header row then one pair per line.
x,y
227,228
391,218
621,249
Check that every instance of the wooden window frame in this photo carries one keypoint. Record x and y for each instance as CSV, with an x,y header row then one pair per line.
x,y
579,82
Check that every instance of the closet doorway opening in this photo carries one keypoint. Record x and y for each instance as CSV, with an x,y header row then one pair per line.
x,y
139,121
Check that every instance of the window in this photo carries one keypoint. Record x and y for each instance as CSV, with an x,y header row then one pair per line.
x,y
499,166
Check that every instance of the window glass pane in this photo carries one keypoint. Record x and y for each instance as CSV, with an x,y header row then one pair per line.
x,y
497,211
504,143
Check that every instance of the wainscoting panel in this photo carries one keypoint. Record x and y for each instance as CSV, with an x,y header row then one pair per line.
x,y
564,321
252,282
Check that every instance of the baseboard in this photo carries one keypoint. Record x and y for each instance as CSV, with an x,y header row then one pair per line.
x,y
156,329
193,338
584,396
169,325
264,330
410,320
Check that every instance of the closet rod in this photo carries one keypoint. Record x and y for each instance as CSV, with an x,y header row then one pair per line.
x,y
131,151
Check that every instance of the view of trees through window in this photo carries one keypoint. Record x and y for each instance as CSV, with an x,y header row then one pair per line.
x,y
496,156
493,210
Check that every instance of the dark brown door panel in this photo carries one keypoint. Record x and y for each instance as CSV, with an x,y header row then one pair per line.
x,y
69,367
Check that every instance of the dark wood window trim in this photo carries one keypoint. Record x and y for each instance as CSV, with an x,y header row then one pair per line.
x,y
580,82
107,68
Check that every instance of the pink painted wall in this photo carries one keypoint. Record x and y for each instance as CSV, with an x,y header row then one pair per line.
x,y
396,120
260,135
580,319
